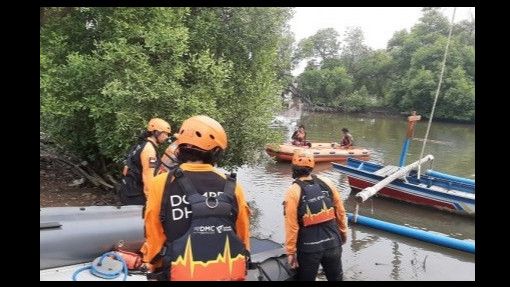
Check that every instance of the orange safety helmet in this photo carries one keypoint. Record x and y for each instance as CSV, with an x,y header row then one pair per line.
x,y
157,124
203,132
303,158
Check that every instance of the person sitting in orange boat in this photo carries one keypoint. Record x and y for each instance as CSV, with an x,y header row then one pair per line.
x,y
347,140
197,219
299,137
315,222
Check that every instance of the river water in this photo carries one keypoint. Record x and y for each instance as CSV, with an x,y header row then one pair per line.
x,y
371,254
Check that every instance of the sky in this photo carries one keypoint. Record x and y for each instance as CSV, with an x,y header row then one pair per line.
x,y
378,23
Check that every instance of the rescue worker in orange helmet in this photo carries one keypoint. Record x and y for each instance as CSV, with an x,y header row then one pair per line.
x,y
197,219
315,222
142,162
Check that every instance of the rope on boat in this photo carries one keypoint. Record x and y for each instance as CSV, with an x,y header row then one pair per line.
x,y
437,91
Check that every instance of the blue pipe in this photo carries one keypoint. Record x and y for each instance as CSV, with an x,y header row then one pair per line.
x,y
450,177
403,154
415,233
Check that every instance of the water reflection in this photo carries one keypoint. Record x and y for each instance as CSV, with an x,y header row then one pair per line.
x,y
256,213
376,255
395,272
363,242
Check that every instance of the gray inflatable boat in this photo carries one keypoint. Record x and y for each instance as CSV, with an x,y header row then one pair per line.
x,y
72,237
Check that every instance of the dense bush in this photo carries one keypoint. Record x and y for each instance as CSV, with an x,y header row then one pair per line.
x,y
104,72
402,77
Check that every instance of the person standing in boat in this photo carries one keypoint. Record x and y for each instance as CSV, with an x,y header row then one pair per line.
x,y
299,137
142,162
347,139
197,219
315,222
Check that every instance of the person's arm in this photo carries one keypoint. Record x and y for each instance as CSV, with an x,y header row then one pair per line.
x,y
290,206
341,216
243,217
148,158
154,235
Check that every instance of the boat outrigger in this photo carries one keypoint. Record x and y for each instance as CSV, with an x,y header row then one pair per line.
x,y
433,189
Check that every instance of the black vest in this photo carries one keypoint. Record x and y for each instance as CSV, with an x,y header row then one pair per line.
x,y
131,190
198,214
316,207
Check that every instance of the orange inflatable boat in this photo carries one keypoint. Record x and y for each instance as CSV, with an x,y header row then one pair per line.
x,y
321,151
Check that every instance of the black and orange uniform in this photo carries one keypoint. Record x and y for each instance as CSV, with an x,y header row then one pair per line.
x,y
141,164
197,225
315,223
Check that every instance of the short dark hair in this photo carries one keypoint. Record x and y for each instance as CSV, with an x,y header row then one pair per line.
x,y
299,171
301,126
188,153
345,130
144,134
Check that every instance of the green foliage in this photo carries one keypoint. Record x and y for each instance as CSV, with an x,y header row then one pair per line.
x,y
403,77
358,101
323,45
465,30
354,49
106,71
431,25
458,99
397,40
257,42
372,72
325,87
417,64
421,87
342,81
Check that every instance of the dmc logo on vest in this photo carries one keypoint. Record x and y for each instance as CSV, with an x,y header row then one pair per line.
x,y
222,228
210,229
